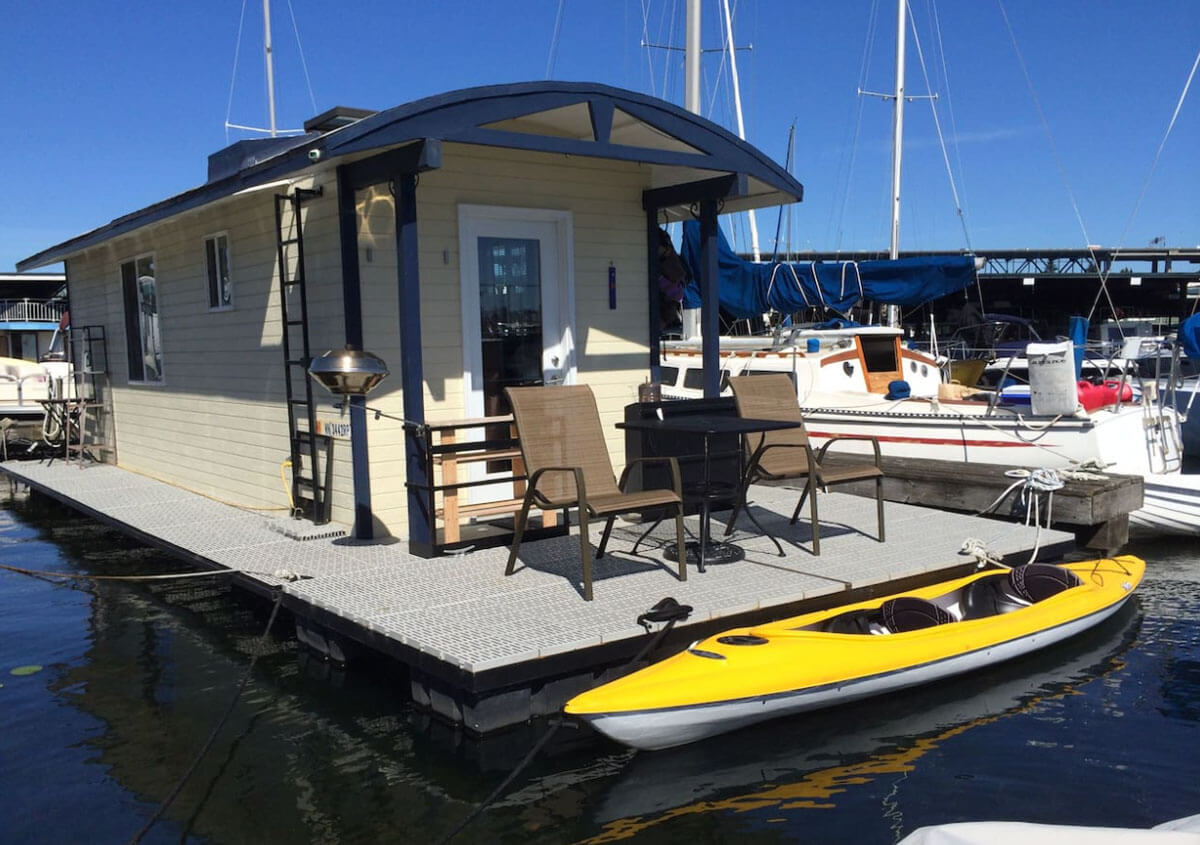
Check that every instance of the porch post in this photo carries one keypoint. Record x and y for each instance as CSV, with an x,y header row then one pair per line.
x,y
352,300
710,323
652,280
412,371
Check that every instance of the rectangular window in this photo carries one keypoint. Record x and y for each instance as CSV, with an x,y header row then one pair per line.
x,y
220,285
142,341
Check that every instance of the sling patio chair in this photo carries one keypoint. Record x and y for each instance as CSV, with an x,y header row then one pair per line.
x,y
776,455
568,466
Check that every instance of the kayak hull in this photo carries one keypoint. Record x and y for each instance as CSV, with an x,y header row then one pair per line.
x,y
796,668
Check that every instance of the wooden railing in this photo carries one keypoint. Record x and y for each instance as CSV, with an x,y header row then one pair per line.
x,y
451,447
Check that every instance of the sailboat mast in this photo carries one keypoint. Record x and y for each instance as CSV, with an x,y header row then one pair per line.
x,y
691,63
270,64
892,314
737,107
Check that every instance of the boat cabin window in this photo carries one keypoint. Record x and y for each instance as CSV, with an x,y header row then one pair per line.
x,y
788,373
668,375
879,353
693,378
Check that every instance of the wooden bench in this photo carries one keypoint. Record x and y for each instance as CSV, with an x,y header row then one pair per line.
x,y
452,445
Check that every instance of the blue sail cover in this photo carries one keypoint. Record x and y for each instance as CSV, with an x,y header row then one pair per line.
x,y
748,289
1189,335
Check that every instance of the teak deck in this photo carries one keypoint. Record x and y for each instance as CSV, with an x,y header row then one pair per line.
x,y
486,650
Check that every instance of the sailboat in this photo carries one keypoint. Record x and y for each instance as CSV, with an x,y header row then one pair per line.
x,y
864,381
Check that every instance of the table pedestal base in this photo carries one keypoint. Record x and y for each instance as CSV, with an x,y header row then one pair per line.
x,y
714,552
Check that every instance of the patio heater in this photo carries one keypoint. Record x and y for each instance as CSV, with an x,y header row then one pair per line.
x,y
348,372
353,373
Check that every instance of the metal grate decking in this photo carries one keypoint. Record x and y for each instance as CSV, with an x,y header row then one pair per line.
x,y
462,616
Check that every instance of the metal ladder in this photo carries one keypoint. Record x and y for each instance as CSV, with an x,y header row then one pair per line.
x,y
309,491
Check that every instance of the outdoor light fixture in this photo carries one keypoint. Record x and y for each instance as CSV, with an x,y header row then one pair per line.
x,y
1028,281
348,372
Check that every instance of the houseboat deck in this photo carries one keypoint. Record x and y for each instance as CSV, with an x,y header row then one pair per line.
x,y
487,650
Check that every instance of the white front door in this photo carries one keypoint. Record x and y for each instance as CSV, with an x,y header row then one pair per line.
x,y
518,302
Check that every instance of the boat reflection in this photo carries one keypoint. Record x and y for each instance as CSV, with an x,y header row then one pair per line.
x,y
809,760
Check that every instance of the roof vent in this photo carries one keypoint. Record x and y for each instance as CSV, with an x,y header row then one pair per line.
x,y
335,118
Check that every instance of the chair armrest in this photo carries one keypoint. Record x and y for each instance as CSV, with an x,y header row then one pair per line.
x,y
672,463
580,486
763,448
872,440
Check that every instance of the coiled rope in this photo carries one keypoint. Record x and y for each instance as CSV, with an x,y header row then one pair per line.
x,y
1032,483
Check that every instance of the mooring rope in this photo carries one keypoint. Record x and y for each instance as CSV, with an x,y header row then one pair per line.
x,y
667,610
204,749
281,574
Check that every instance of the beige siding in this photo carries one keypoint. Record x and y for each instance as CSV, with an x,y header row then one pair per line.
x,y
218,422
604,199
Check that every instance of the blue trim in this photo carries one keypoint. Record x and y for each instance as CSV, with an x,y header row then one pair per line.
x,y
360,456
710,311
462,116
412,371
38,326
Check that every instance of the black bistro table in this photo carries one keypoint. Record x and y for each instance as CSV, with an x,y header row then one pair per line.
x,y
706,550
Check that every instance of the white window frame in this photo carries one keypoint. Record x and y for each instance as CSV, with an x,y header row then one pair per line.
x,y
208,285
161,380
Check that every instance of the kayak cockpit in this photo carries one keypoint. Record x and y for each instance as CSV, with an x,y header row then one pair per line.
x,y
989,595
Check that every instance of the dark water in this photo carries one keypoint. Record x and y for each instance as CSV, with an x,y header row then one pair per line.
x,y
1102,730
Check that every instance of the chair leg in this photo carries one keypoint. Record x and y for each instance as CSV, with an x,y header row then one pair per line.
x,y
800,504
680,544
585,553
738,504
816,523
644,535
604,538
518,531
879,505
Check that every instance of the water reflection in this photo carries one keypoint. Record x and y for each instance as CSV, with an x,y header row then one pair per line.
x,y
313,753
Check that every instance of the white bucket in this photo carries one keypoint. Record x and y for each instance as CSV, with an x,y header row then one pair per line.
x,y
1052,388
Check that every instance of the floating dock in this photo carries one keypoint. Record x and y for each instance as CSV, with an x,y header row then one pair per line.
x,y
487,651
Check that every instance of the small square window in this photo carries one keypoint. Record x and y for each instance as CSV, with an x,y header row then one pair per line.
x,y
220,283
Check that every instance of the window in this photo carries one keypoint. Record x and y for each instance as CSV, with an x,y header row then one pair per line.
x,y
220,285
142,342
693,378
879,353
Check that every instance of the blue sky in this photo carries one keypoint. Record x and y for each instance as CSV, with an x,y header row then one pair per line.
x,y
111,107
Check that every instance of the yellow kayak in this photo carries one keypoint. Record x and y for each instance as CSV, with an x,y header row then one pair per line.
x,y
748,675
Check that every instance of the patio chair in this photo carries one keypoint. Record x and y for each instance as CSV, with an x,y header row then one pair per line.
x,y
776,455
568,465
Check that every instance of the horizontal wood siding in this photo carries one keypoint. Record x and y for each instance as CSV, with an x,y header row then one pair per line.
x,y
217,424
609,226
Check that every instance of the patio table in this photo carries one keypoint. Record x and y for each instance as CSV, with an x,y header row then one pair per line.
x,y
706,550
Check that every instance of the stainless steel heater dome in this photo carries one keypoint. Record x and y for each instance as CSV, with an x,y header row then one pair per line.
x,y
348,372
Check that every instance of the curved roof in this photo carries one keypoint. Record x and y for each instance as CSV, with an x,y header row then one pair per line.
x,y
685,152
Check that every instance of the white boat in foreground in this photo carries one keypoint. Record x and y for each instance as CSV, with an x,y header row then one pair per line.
x,y
863,382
